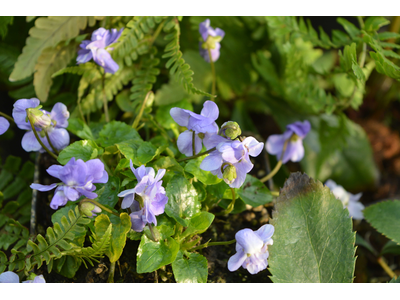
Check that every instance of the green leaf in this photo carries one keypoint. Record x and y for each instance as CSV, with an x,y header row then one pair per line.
x,y
67,266
239,206
385,218
85,150
361,242
192,269
79,128
153,255
390,248
116,132
395,280
108,194
374,23
4,22
193,167
163,116
183,201
351,29
47,32
254,192
198,224
313,239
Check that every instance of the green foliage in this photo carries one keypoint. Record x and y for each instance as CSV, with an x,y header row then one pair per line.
x,y
254,192
4,22
193,167
384,217
108,194
198,224
79,128
116,132
176,63
84,149
313,239
190,269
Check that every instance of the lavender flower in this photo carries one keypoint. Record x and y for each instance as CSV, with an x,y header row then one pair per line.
x,y
150,197
294,135
11,277
231,160
77,177
211,39
4,124
199,124
349,200
54,123
95,48
252,249
37,279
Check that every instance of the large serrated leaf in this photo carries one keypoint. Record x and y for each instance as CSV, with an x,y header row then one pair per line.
x,y
84,149
313,239
190,270
385,217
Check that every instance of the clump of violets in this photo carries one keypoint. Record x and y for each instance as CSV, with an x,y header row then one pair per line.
x,y
252,249
231,160
11,277
4,125
210,40
199,125
53,123
293,138
78,178
349,200
95,48
147,199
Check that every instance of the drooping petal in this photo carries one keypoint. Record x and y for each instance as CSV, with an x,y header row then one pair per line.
x,y
114,36
60,114
84,55
184,143
300,128
4,125
59,137
355,210
126,192
9,277
104,59
71,193
85,192
137,222
95,168
253,145
298,152
210,110
220,32
250,242
42,188
160,174
289,152
19,112
29,142
212,162
180,116
265,232
203,29
54,170
59,198
211,140
127,201
274,144
236,261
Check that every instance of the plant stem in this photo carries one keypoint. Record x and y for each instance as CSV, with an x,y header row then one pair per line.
x,y
193,140
37,136
7,117
156,33
212,244
100,205
273,172
385,267
197,155
50,143
276,194
152,232
139,116
232,204
105,102
214,78
111,273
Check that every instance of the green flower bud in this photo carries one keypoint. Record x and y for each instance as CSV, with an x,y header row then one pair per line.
x,y
211,42
230,130
39,118
229,174
89,209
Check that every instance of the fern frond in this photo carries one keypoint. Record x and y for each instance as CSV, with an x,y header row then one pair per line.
x,y
79,70
11,233
50,61
47,32
132,42
176,63
116,82
4,22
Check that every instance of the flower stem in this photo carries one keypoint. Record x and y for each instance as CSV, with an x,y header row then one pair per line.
x,y
197,155
193,140
105,102
7,117
139,116
101,206
385,267
214,78
273,172
50,143
111,273
232,204
37,136
156,33
212,244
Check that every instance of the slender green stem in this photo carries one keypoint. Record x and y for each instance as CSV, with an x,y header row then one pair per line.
x,y
276,194
139,116
214,78
100,205
37,136
7,117
111,273
193,141
152,232
50,143
157,32
385,267
273,172
212,244
105,102
232,204
197,155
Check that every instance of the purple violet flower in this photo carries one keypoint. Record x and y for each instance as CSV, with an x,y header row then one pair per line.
x,y
294,134
231,160
11,277
199,124
37,279
149,194
4,124
211,39
77,177
252,249
95,48
54,123
348,200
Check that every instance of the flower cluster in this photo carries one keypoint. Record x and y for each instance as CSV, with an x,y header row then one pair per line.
x,y
147,199
211,39
290,142
51,123
95,48
4,124
11,277
349,200
252,249
77,179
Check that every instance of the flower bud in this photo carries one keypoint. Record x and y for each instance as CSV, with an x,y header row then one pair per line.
x,y
39,118
89,209
230,130
211,42
229,174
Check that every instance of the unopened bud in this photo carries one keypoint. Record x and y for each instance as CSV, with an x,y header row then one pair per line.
x,y
229,174
39,118
89,209
230,130
211,42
